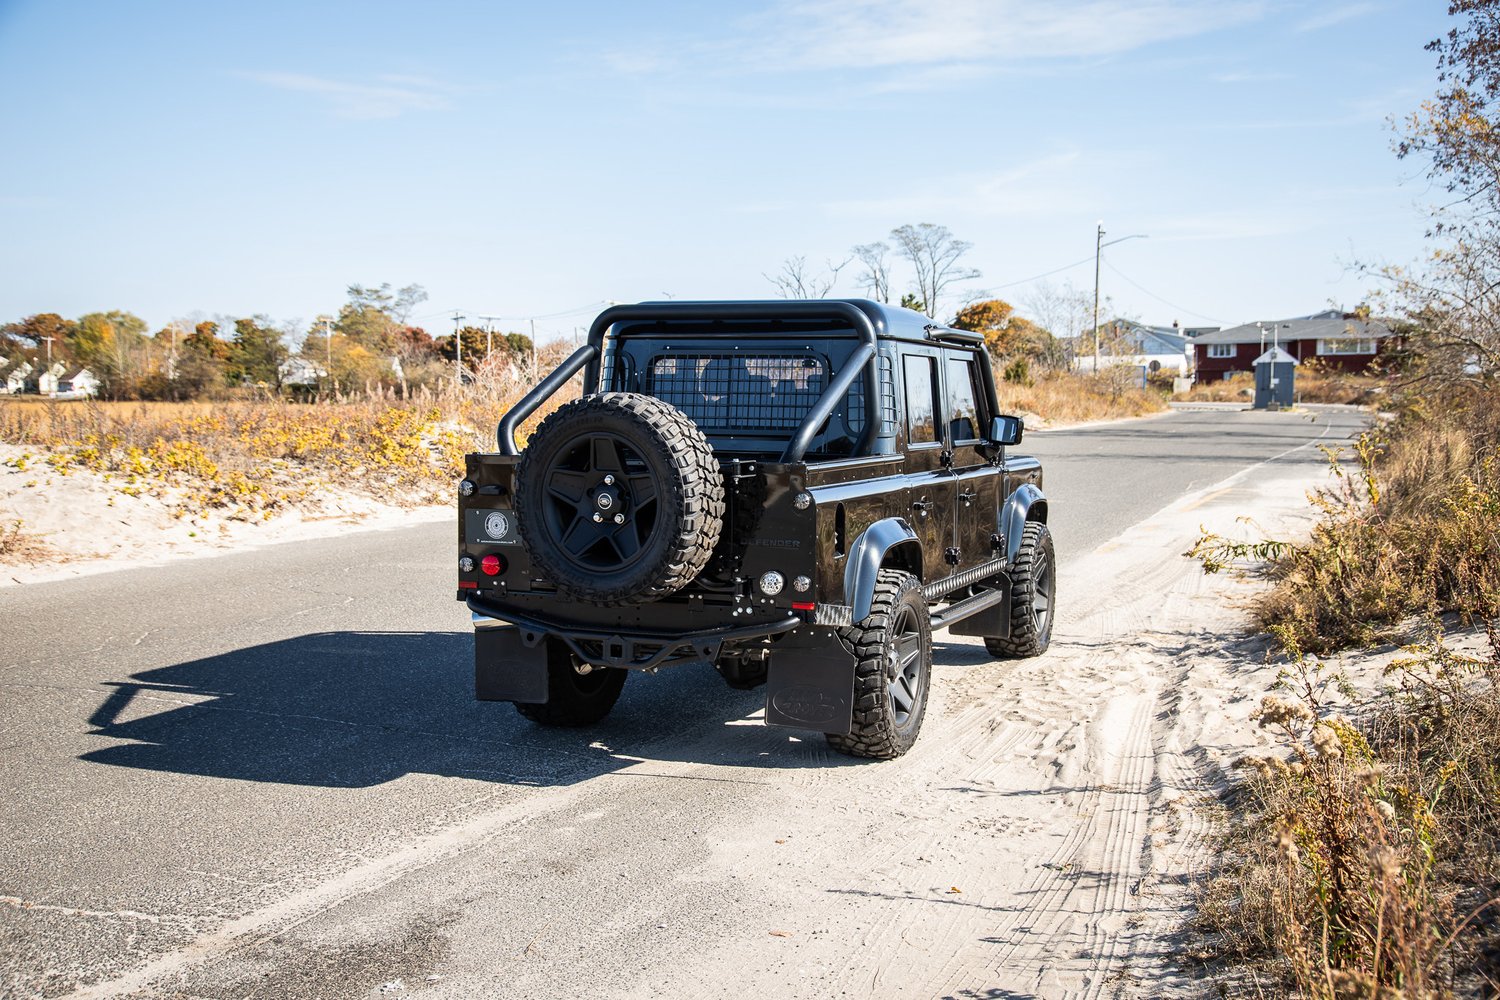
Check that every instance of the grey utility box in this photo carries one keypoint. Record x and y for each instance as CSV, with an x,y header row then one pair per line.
x,y
1275,380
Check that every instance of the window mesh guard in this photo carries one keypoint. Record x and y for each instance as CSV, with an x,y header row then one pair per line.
x,y
729,393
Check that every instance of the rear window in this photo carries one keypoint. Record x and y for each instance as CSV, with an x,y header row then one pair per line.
x,y
746,393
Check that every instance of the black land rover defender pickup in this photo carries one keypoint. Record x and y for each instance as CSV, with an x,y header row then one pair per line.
x,y
796,493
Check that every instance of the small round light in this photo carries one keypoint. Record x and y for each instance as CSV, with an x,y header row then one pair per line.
x,y
492,565
466,564
771,583
466,488
802,501
801,584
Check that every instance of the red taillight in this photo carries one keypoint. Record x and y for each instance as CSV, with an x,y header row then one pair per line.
x,y
492,565
468,585
804,605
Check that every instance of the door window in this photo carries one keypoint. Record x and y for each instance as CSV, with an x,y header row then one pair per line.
x,y
921,422
963,418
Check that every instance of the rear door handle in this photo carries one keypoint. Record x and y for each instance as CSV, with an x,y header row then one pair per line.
x,y
921,506
968,498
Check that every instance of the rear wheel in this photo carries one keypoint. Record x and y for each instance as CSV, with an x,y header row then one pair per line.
x,y
893,673
574,699
1033,582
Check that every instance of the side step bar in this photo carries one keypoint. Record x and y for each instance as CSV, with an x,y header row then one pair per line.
x,y
968,607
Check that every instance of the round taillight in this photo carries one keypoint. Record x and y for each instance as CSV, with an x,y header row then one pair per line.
x,y
492,565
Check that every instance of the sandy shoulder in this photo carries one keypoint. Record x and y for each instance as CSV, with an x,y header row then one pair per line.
x,y
82,523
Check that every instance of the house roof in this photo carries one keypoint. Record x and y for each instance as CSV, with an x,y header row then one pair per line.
x,y
1154,339
79,373
1330,325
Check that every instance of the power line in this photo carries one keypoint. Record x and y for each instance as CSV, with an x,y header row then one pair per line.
x,y
1044,274
1158,298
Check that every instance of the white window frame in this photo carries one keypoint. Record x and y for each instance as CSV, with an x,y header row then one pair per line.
x,y
1221,350
1346,345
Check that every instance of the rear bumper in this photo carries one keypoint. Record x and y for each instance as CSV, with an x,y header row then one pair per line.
x,y
636,649
810,683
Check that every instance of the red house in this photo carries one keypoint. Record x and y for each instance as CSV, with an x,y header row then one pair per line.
x,y
1336,339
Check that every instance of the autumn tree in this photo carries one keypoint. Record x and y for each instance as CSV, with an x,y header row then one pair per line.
x,y
1009,337
375,318
114,346
1455,302
935,256
256,353
39,333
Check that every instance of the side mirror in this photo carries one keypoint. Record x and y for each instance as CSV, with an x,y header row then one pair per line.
x,y
1006,430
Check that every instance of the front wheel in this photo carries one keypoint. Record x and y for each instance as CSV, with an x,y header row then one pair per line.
x,y
1033,582
893,673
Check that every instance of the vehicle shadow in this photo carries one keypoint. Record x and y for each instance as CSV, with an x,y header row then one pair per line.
x,y
358,709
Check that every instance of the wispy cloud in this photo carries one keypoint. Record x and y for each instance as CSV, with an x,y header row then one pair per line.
x,y
937,42
387,96
1037,187
1337,15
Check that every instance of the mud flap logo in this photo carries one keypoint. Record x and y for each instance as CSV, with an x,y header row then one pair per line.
x,y
804,703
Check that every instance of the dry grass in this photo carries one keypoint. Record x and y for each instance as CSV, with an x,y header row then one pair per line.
x,y
1070,397
1364,860
1412,529
249,459
18,546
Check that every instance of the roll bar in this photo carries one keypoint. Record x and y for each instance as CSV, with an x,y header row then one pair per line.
x,y
589,358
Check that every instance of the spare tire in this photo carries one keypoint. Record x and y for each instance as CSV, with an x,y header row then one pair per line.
x,y
619,499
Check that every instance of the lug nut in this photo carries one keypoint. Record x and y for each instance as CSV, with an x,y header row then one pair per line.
x,y
619,518
609,480
598,517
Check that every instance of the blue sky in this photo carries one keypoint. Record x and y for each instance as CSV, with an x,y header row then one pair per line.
x,y
534,159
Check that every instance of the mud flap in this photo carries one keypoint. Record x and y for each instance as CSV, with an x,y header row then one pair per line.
x,y
506,669
810,683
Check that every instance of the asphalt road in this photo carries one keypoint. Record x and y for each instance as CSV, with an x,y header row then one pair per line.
x,y
195,754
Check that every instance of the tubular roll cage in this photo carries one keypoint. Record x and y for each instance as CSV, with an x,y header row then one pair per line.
x,y
587,358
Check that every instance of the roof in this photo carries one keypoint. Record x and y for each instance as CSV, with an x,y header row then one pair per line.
x,y
1330,326
888,320
1150,339
79,373
1275,356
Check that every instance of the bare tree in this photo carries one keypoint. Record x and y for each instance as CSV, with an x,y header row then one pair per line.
x,y
796,281
934,254
1062,310
876,279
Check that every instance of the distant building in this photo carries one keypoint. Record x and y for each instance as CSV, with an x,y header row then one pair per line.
x,y
81,382
301,373
1336,339
45,382
13,377
1126,342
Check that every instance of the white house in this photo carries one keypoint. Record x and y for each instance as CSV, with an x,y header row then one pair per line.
x,y
46,381
13,379
81,383
1154,348
300,372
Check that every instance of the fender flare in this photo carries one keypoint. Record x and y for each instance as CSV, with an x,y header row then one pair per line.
x,y
1019,508
868,554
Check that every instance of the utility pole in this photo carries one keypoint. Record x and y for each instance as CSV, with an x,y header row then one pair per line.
x,y
458,349
49,351
1098,247
533,348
